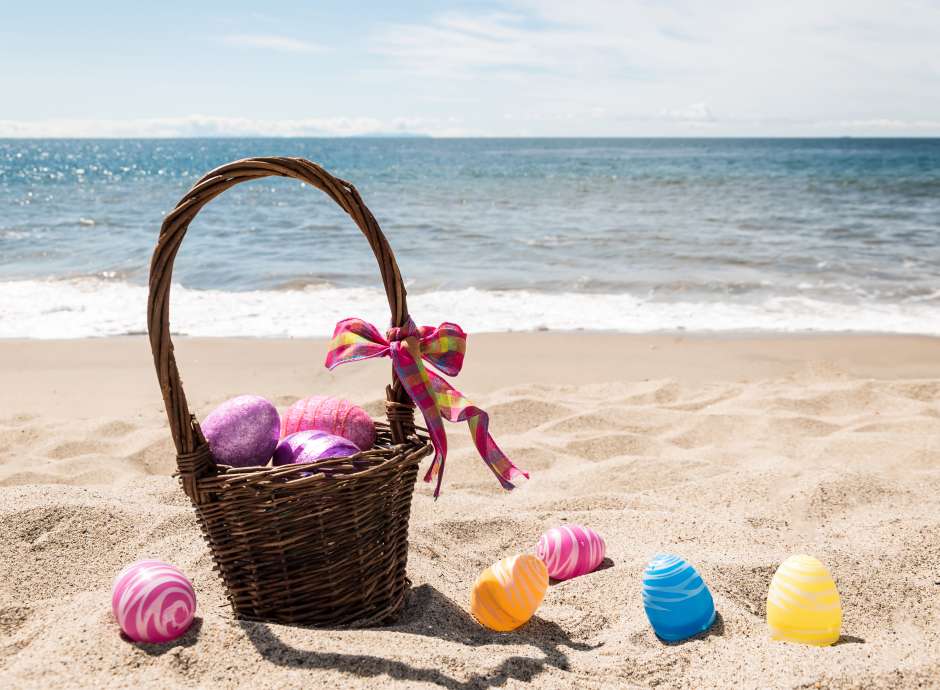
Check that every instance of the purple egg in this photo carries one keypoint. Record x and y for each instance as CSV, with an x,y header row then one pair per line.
x,y
310,446
243,431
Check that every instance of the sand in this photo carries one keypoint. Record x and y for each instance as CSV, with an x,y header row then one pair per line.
x,y
733,452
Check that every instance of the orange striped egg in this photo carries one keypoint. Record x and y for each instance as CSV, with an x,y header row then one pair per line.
x,y
507,594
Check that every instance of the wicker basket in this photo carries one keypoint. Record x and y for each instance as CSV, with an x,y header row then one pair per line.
x,y
323,548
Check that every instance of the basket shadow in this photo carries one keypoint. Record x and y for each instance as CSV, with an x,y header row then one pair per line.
x,y
429,613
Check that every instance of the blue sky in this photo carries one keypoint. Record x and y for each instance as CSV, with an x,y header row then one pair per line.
x,y
514,68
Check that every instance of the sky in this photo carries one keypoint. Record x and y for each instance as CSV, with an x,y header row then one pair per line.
x,y
511,68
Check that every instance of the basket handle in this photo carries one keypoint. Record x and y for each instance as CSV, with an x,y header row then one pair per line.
x,y
191,447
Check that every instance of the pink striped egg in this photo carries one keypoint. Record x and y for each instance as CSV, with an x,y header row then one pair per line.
x,y
570,550
332,415
153,601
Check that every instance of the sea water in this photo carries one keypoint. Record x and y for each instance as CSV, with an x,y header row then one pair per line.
x,y
634,235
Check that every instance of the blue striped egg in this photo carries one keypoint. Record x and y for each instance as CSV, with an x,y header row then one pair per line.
x,y
677,601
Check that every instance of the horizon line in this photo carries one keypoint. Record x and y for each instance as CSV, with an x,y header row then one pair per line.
x,y
409,136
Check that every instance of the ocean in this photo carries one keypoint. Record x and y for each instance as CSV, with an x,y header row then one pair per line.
x,y
632,235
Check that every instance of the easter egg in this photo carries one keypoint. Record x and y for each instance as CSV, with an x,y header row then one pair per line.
x,y
332,415
242,431
309,446
153,601
507,594
570,550
677,601
803,603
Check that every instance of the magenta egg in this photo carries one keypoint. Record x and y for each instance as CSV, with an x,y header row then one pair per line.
x,y
570,550
243,431
153,601
332,415
310,446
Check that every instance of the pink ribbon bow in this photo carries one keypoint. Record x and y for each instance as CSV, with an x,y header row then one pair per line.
x,y
443,347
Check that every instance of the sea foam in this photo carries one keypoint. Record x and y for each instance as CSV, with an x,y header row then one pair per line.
x,y
92,307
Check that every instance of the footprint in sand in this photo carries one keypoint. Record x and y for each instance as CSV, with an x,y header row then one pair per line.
x,y
530,458
594,421
855,399
115,429
73,449
623,419
485,539
848,493
591,501
909,425
17,420
800,426
524,414
714,430
922,391
698,404
633,475
70,472
653,393
20,439
157,457
746,585
12,618
613,445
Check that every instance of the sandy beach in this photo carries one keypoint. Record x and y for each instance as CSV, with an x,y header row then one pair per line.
x,y
734,452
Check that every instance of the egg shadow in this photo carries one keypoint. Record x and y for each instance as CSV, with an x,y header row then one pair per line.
x,y
716,629
848,639
187,639
605,564
429,613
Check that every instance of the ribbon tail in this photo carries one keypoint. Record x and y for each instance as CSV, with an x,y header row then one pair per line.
x,y
414,377
443,347
455,407
436,470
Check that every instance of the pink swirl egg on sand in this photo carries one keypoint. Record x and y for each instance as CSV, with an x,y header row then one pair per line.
x,y
310,446
570,550
153,601
334,416
243,431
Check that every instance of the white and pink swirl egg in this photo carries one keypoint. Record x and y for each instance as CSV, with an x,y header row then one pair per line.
x,y
570,550
153,601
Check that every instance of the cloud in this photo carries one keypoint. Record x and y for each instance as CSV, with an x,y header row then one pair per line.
x,y
459,45
217,126
283,44
787,68
689,120
883,124
454,44
697,112
543,68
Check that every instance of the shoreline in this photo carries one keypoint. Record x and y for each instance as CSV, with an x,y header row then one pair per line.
x,y
729,334
494,360
95,307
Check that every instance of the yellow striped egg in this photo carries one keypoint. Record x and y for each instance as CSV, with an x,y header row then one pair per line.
x,y
803,603
508,593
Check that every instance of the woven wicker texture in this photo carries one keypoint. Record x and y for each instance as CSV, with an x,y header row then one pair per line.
x,y
322,545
